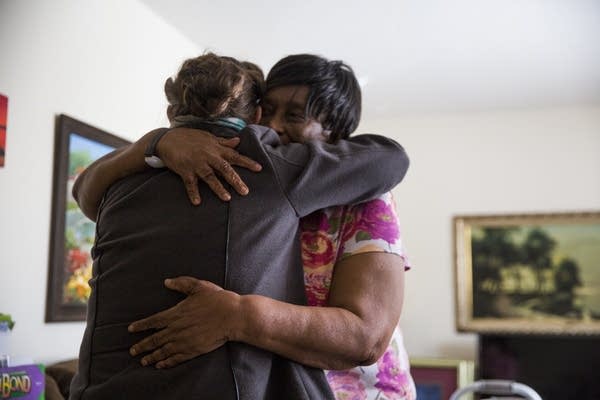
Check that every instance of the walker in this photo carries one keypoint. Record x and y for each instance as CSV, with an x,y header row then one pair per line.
x,y
498,387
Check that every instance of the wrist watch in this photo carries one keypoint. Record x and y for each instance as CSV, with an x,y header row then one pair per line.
x,y
150,156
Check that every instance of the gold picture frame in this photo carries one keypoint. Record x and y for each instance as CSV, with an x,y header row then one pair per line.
x,y
528,273
438,378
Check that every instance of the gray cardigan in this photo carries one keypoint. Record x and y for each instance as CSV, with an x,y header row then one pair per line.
x,y
148,231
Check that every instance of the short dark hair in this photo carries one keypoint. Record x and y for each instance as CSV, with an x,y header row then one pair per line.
x,y
334,97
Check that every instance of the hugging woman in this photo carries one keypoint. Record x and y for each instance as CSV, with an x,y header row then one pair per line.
x,y
352,256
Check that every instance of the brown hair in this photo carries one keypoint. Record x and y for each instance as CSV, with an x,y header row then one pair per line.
x,y
211,86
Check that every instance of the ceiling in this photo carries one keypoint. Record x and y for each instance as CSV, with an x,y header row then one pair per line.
x,y
417,55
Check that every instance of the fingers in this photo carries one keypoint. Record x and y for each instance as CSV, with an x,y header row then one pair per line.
x,y
206,285
191,187
224,167
199,155
232,177
150,343
184,284
230,142
209,177
160,354
248,163
221,165
167,356
173,361
205,172
189,286
236,158
156,321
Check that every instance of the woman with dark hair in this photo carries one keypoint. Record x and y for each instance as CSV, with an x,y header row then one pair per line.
x,y
334,96
353,258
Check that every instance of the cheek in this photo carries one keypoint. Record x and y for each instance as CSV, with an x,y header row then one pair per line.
x,y
313,130
301,133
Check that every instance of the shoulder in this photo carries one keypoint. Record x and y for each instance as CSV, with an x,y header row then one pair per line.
x,y
264,134
375,219
372,226
293,155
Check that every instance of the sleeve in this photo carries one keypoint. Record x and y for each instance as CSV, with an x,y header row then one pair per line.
x,y
317,175
372,226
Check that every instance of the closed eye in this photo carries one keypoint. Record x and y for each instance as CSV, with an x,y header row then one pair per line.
x,y
295,117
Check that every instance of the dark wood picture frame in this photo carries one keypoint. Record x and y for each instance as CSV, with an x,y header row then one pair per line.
x,y
528,273
77,145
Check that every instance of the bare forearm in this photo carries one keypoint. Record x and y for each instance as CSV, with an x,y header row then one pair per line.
x,y
92,182
322,337
365,302
95,179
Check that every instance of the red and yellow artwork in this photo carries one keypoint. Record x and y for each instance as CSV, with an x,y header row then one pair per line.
x,y
3,112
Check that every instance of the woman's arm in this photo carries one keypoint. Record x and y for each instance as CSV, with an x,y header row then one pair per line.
x,y
192,154
364,308
355,328
91,184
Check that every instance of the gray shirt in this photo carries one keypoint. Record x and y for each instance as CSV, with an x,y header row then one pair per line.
x,y
147,231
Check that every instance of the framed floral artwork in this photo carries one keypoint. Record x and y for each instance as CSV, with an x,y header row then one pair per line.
x,y
528,273
438,378
77,145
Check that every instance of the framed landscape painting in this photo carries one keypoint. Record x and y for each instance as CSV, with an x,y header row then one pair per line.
x,y
77,145
438,378
530,273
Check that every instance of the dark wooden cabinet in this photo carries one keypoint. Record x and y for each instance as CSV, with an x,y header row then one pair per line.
x,y
558,368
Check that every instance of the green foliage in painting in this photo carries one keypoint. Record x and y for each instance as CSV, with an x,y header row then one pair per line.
x,y
78,160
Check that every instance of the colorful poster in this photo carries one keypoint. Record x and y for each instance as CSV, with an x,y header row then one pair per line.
x,y
3,112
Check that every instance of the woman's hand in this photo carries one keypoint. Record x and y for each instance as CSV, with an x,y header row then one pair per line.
x,y
193,154
355,329
197,325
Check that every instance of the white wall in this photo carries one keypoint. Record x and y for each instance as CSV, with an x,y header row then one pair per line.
x,y
104,62
543,160
101,61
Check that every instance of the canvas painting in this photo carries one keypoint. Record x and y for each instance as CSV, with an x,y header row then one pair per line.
x,y
537,273
72,233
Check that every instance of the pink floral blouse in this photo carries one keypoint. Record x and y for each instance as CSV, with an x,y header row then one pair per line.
x,y
333,234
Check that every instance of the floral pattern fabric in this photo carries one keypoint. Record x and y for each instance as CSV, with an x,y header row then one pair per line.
x,y
331,235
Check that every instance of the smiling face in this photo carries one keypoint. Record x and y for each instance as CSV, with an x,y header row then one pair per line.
x,y
284,111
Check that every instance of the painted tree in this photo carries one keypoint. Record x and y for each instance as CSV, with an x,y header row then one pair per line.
x,y
537,253
492,252
566,278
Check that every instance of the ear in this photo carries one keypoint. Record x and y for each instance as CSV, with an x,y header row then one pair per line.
x,y
257,114
169,88
170,112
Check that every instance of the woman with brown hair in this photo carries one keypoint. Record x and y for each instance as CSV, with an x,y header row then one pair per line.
x,y
353,257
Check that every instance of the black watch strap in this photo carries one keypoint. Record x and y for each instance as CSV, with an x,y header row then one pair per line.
x,y
150,154
151,149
